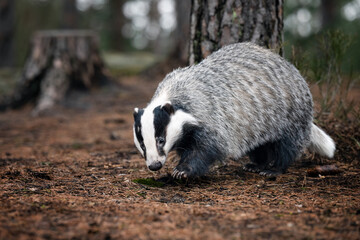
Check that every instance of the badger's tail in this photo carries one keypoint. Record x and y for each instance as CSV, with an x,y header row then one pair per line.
x,y
321,143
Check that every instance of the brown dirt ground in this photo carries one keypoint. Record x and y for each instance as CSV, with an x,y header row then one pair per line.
x,y
69,175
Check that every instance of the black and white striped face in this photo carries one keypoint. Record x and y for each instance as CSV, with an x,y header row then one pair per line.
x,y
156,130
150,136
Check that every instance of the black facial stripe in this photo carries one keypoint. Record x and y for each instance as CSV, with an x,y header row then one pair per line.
x,y
137,126
161,120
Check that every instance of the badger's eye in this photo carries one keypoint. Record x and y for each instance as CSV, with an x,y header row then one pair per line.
x,y
161,141
142,145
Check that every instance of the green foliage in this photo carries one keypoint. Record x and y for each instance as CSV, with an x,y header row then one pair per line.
x,y
318,25
327,73
7,83
300,60
326,69
148,182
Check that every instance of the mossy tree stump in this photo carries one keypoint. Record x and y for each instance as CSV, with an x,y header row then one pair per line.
x,y
59,60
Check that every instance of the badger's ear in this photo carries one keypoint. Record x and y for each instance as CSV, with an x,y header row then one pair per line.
x,y
136,111
168,108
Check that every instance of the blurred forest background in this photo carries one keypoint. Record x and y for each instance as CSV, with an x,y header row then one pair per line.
x,y
150,25
320,36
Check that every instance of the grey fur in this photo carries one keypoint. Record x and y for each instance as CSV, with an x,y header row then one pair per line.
x,y
246,95
245,98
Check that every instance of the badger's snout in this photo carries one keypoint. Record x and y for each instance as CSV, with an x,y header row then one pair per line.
x,y
155,166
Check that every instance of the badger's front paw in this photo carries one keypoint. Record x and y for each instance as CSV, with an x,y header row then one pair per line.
x,y
178,174
252,167
181,172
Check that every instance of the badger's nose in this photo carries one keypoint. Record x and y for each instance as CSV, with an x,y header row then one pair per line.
x,y
155,166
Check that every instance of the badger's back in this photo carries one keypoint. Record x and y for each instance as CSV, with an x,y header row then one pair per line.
x,y
244,96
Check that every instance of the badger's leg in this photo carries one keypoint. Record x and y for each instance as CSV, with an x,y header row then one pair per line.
x,y
259,159
282,154
197,152
196,162
273,158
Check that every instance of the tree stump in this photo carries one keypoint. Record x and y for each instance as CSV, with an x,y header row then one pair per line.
x,y
58,61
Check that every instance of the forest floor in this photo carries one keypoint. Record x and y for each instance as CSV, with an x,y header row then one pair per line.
x,y
75,173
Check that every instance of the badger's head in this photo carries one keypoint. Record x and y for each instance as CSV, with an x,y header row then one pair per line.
x,y
156,130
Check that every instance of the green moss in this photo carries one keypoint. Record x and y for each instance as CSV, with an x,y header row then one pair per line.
x,y
77,145
142,194
148,182
234,15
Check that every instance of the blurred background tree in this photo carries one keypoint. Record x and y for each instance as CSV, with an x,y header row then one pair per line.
x,y
158,26
136,34
70,15
7,10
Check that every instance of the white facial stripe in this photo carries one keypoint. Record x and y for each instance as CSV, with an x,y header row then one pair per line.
x,y
147,123
174,129
148,131
137,144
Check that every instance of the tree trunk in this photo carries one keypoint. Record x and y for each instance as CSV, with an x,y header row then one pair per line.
x,y
58,61
118,42
215,23
7,8
328,13
70,15
182,32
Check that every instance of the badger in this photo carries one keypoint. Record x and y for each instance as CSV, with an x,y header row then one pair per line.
x,y
240,100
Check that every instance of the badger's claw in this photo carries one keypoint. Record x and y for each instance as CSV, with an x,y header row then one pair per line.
x,y
270,173
178,174
251,167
